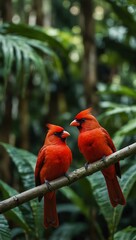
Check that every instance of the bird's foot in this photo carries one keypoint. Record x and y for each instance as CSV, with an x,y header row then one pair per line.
x,y
86,166
104,159
67,176
48,185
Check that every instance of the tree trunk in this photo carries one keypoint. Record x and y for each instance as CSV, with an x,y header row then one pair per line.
x,y
89,59
38,8
6,10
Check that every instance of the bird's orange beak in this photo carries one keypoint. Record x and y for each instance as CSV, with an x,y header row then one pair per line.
x,y
74,123
65,134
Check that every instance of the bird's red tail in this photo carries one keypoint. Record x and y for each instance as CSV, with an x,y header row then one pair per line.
x,y
50,212
115,193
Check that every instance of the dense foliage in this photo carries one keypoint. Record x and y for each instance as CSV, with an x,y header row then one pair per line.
x,y
42,80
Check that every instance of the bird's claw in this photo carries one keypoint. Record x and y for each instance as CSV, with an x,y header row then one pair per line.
x,y
67,176
103,159
86,166
48,185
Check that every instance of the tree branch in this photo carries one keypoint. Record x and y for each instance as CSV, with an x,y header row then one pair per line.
x,y
63,181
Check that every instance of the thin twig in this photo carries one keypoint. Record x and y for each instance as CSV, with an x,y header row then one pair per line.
x,y
64,181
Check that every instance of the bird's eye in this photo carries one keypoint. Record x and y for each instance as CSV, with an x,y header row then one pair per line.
x,y
81,120
58,134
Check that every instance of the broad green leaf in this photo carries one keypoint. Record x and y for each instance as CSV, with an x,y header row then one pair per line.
x,y
118,110
128,129
15,214
112,215
71,208
121,90
34,33
4,229
25,163
68,231
128,233
73,197
31,51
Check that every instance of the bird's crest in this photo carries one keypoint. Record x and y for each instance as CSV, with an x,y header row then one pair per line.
x,y
54,128
84,113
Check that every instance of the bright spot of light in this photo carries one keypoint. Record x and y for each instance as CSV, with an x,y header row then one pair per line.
x,y
116,79
98,13
74,56
117,32
131,9
16,19
32,19
75,10
76,29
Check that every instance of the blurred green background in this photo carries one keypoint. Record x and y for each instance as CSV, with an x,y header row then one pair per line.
x,y
56,59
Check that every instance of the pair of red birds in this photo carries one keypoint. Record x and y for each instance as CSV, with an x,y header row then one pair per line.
x,y
55,157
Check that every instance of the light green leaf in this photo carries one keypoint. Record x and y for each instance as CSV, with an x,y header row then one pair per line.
x,y
118,111
128,129
128,233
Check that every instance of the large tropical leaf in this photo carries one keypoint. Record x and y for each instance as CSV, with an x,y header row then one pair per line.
x,y
26,56
120,90
4,229
25,163
35,32
112,215
128,233
118,110
73,197
14,214
68,231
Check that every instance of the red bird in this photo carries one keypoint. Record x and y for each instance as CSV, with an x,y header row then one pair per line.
x,y
53,161
94,143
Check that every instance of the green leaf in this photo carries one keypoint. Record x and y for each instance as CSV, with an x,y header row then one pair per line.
x,y
25,163
68,231
112,215
73,197
128,233
118,111
14,214
71,208
34,33
120,90
128,129
4,229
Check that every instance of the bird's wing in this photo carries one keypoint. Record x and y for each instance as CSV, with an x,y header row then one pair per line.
x,y
112,146
39,164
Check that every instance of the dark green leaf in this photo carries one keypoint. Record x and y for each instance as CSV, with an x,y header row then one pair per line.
x,y
4,229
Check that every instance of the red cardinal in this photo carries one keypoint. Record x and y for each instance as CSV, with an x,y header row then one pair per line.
x,y
53,161
94,143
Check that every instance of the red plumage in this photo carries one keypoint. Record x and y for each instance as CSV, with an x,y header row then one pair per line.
x,y
53,161
94,143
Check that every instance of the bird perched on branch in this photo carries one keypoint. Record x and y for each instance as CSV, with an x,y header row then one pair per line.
x,y
53,161
95,143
